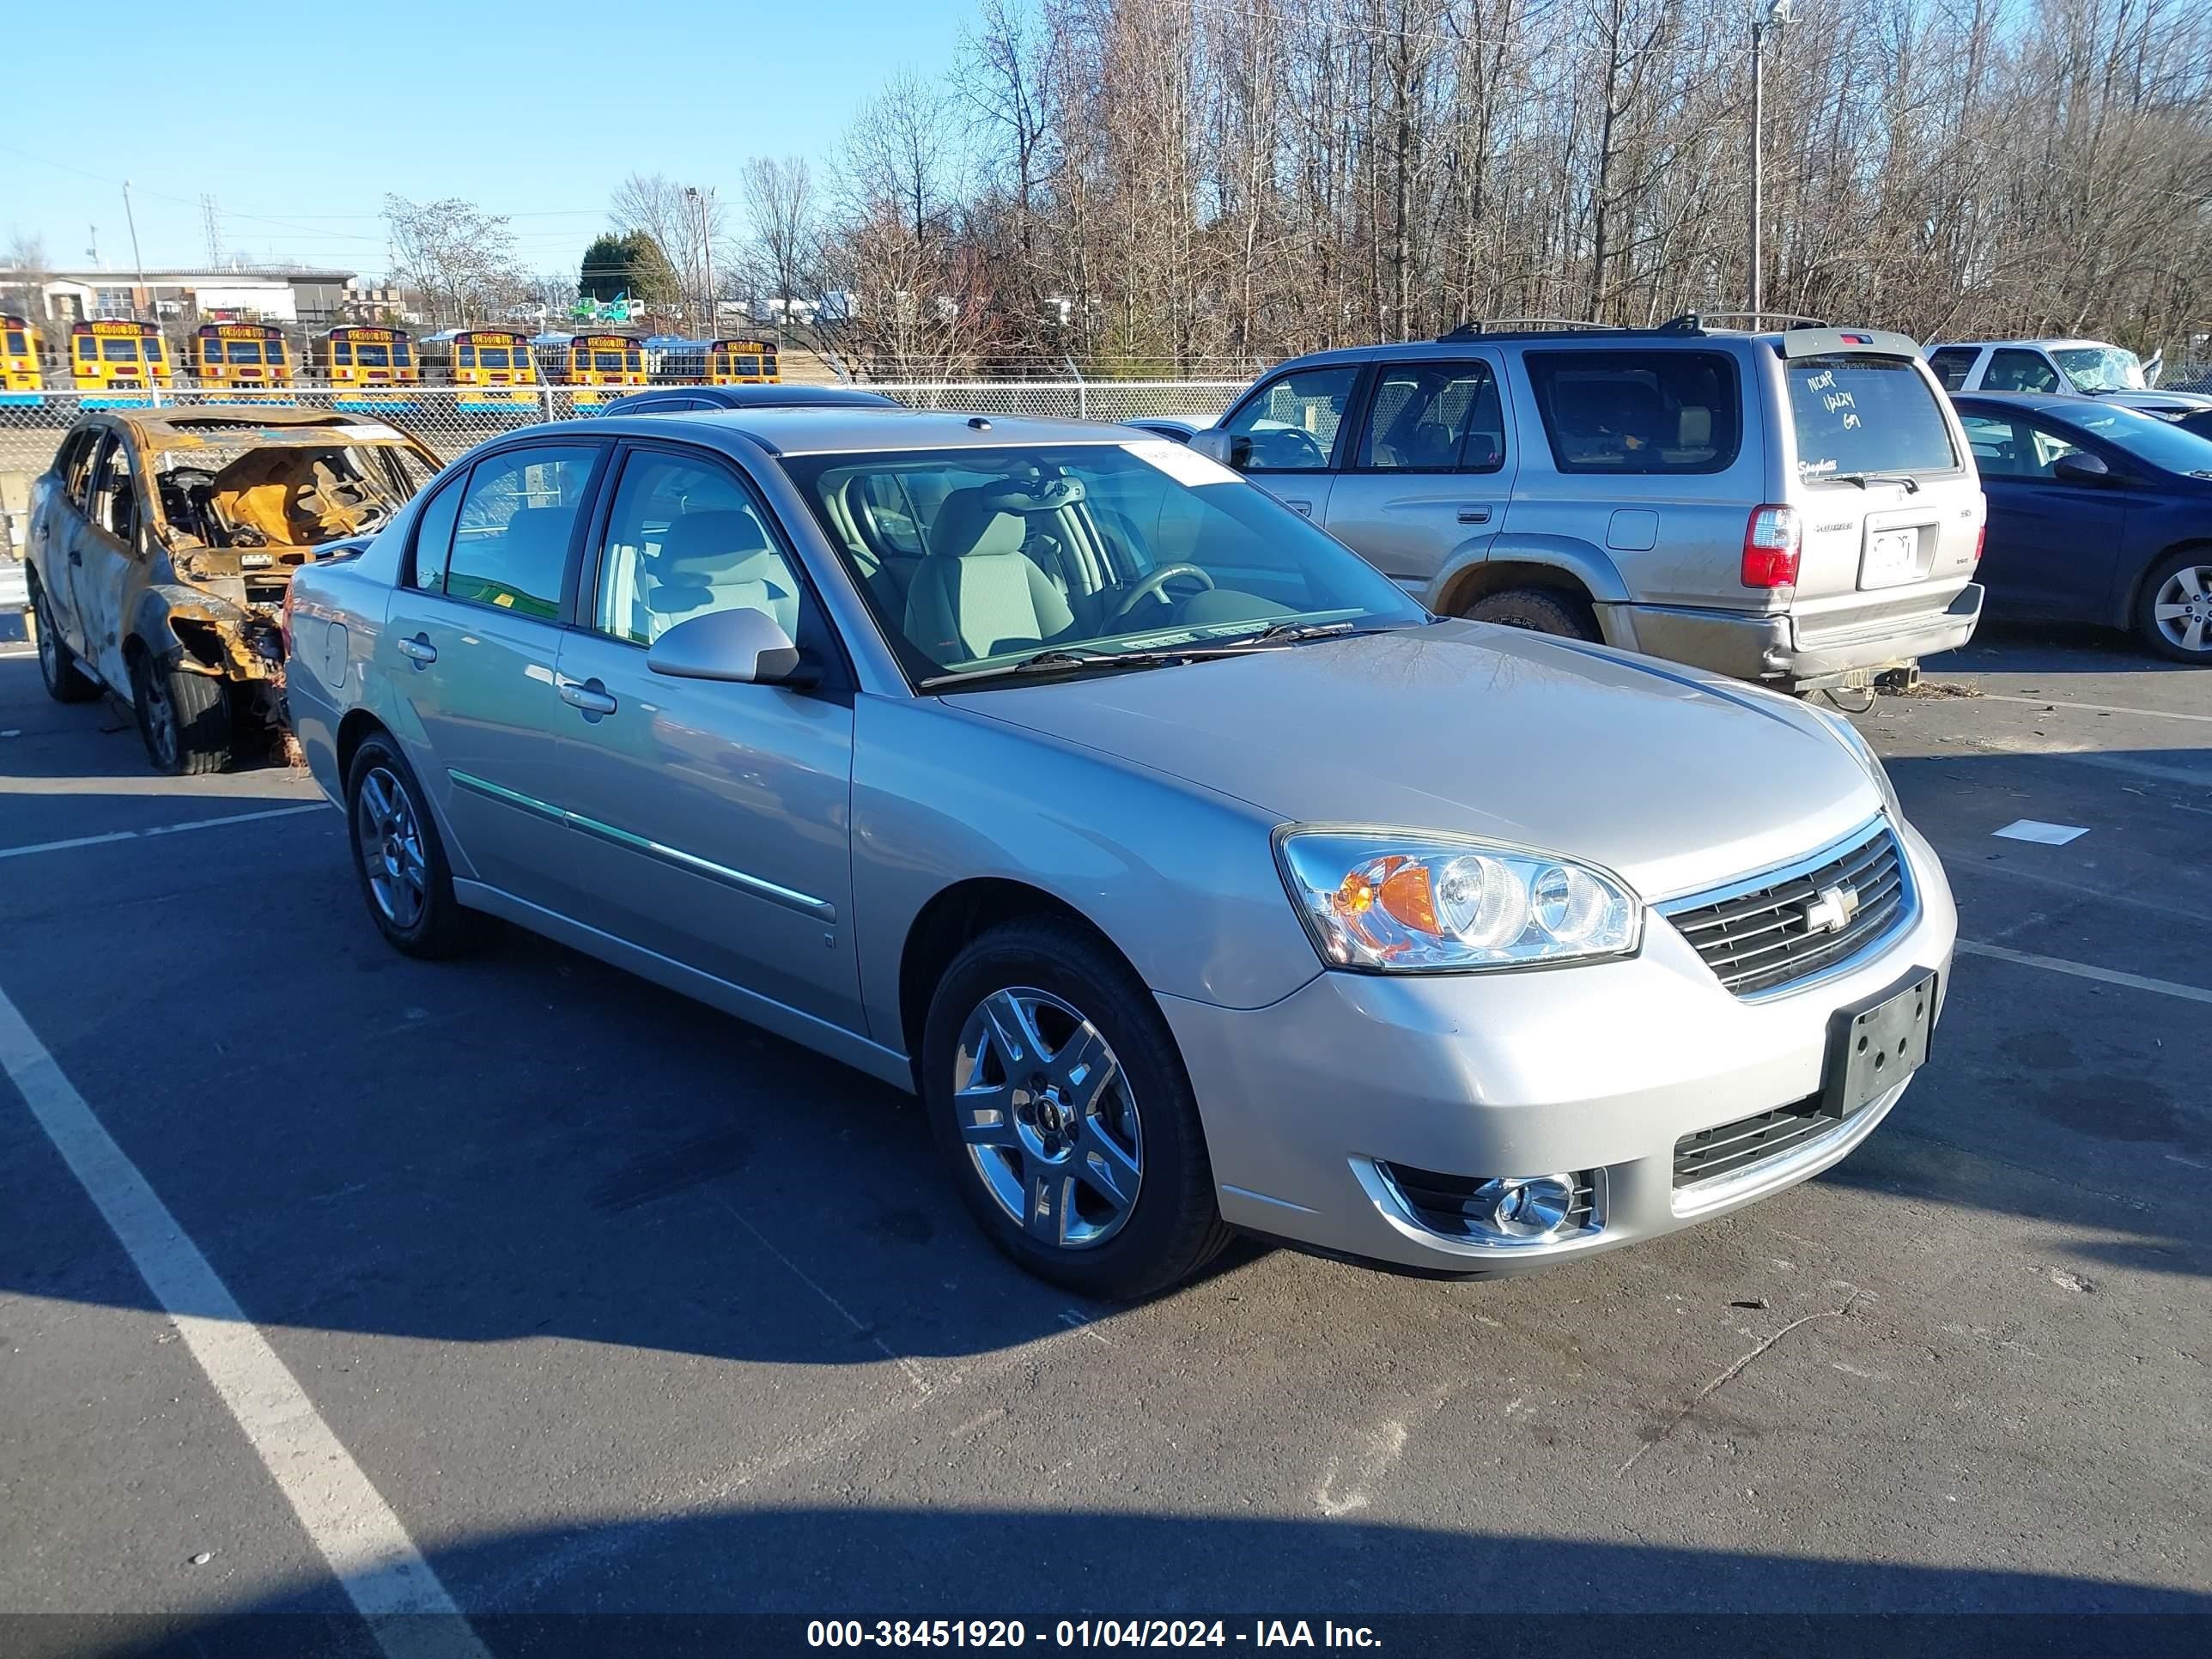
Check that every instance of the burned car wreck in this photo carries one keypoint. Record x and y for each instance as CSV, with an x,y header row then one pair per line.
x,y
163,541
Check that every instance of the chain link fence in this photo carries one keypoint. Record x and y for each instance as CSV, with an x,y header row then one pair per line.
x,y
451,419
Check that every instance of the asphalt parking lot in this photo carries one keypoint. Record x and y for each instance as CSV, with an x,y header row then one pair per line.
x,y
624,1307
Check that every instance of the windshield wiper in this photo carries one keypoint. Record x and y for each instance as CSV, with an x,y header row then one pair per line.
x,y
1862,479
1287,633
1054,661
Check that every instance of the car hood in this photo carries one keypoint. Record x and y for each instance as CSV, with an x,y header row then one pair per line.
x,y
2156,401
1675,780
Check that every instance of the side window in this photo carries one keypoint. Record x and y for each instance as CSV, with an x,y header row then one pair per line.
x,y
1952,364
1290,426
686,538
2044,447
1997,450
1434,417
434,537
1637,411
517,516
74,462
2014,370
114,503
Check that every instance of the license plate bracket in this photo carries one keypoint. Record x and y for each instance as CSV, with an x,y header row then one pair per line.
x,y
1875,1045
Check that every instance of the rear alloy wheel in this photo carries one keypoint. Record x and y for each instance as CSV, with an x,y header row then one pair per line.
x,y
2176,619
1065,1114
399,858
1540,610
65,681
182,716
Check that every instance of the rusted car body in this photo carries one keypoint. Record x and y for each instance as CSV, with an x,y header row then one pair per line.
x,y
163,541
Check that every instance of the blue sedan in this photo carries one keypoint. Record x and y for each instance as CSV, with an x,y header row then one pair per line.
x,y
2097,513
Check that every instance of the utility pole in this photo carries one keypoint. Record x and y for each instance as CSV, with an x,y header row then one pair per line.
x,y
132,220
1777,13
211,226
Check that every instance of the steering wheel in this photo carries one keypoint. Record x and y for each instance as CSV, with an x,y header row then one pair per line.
x,y
1150,585
1288,448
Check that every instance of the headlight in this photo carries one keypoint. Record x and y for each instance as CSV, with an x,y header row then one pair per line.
x,y
1868,761
1414,902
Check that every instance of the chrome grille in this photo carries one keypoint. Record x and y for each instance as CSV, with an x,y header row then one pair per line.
x,y
1712,1153
1444,1203
1757,938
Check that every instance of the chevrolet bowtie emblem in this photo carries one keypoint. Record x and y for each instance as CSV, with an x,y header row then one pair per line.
x,y
1832,910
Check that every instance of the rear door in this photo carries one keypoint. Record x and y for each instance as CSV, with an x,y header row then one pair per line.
x,y
1288,433
1890,506
55,548
469,648
107,566
2053,546
1427,477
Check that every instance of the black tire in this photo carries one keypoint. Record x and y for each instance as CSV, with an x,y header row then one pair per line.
x,y
442,925
1173,1227
1540,610
2151,630
182,717
58,666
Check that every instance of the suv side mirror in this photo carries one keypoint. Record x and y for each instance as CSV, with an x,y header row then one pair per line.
x,y
1229,448
2079,466
743,646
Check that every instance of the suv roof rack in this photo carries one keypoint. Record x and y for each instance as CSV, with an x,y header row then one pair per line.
x,y
1757,317
1483,326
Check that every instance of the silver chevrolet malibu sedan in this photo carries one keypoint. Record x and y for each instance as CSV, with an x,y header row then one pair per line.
x,y
1195,879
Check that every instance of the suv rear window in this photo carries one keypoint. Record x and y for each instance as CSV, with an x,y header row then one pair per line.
x,y
1858,414
1637,411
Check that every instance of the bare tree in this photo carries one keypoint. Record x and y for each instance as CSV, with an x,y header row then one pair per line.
x,y
688,222
783,243
460,259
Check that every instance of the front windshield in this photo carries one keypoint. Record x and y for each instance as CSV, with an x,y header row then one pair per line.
x,y
973,559
2148,438
2101,368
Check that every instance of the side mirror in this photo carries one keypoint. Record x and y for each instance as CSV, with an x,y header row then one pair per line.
x,y
2079,466
1231,449
743,646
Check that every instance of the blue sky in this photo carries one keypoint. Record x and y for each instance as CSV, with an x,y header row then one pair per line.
x,y
589,94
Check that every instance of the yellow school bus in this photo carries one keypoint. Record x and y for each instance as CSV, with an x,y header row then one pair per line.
x,y
489,366
22,380
111,358
741,362
367,367
242,355
604,360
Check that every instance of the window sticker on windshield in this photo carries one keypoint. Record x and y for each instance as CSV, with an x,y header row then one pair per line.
x,y
1181,464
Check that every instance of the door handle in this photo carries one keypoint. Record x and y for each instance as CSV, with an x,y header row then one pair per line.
x,y
591,695
1305,507
1474,515
418,650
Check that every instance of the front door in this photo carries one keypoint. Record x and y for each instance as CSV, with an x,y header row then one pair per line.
x,y
711,818
1426,483
468,645
2052,546
1285,435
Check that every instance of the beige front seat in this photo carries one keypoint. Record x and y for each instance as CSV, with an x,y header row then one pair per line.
x,y
977,593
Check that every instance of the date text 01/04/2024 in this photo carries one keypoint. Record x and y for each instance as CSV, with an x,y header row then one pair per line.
x,y
1084,1633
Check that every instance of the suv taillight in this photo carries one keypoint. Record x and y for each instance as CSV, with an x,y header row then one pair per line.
x,y
1980,536
1772,545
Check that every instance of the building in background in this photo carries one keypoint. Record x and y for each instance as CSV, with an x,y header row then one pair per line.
x,y
274,294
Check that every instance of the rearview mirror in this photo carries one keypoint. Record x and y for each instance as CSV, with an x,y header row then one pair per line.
x,y
1229,448
2079,466
743,645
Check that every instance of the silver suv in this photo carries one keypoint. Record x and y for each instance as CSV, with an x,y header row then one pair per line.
x,y
1798,509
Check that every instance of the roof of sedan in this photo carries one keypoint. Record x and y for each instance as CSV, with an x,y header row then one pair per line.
x,y
837,430
2058,403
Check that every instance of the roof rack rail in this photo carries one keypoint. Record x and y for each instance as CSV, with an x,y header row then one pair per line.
x,y
1482,326
1756,316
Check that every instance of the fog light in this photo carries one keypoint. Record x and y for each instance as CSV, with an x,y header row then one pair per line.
x,y
1524,1206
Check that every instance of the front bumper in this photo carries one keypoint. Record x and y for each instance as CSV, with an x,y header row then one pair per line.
x,y
1779,650
1599,1068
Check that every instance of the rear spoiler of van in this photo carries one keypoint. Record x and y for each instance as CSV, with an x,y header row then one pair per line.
x,y
1826,342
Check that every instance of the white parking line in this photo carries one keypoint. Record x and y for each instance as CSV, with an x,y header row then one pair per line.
x,y
367,1549
2098,707
158,829
2084,970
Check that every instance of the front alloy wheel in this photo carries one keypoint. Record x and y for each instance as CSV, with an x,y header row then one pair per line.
x,y
1048,1118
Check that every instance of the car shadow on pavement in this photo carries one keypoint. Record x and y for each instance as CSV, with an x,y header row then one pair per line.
x,y
2015,646
685,1585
